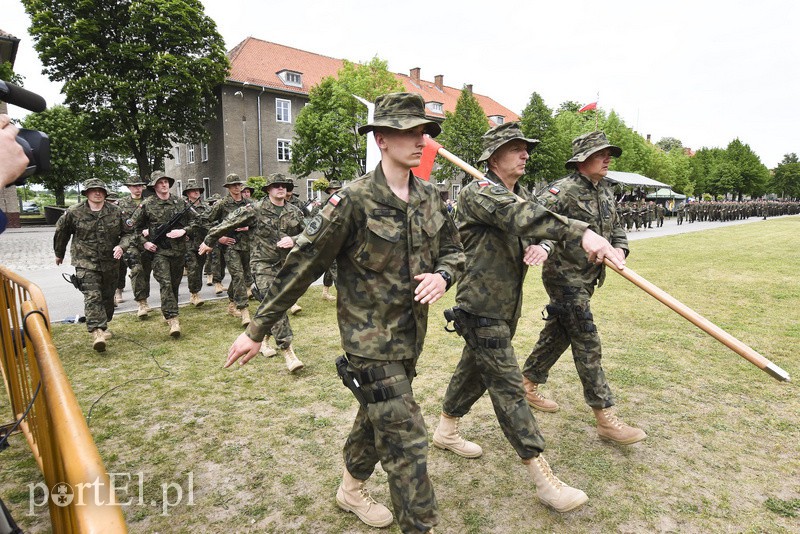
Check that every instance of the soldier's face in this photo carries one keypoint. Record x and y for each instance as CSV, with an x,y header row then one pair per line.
x,y
96,195
596,166
162,186
193,194
508,161
136,190
402,146
277,192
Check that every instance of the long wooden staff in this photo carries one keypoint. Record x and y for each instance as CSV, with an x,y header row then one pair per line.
x,y
665,298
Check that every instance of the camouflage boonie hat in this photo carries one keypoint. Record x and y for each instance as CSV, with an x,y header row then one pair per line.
x,y
232,179
401,111
112,196
334,185
278,178
94,183
134,180
191,184
249,188
587,144
156,176
500,135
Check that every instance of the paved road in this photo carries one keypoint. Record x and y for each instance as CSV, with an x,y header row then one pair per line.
x,y
29,252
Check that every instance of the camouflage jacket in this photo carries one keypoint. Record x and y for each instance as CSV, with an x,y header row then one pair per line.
x,y
379,243
495,227
154,212
199,228
220,211
267,227
128,205
94,235
576,197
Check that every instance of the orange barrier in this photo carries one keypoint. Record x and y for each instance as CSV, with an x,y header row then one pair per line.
x,y
55,427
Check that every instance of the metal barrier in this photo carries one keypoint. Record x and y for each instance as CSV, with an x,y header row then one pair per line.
x,y
80,496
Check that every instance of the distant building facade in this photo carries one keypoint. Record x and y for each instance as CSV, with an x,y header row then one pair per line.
x,y
258,105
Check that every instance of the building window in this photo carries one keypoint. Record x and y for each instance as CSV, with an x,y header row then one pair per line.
x,y
203,151
456,190
206,186
283,110
290,77
284,150
436,107
177,155
189,153
497,119
179,187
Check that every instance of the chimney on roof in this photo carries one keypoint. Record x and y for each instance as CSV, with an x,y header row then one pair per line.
x,y
438,81
469,88
648,138
415,75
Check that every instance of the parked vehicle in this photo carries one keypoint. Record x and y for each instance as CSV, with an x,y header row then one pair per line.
x,y
30,207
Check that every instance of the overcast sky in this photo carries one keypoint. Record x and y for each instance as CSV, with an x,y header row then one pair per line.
x,y
705,71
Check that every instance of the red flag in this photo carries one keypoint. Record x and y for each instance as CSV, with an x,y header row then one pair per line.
x,y
423,170
588,107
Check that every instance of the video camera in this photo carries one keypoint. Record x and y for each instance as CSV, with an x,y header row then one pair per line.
x,y
34,143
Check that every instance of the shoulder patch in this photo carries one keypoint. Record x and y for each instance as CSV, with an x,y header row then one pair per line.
x,y
554,190
314,225
484,183
499,190
335,199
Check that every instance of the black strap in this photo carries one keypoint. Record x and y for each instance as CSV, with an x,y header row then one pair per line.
x,y
387,392
379,373
493,342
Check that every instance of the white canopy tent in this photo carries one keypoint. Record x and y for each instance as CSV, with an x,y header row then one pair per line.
x,y
631,178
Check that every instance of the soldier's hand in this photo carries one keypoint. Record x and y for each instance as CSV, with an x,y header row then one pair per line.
x,y
204,249
227,241
534,255
285,242
244,348
243,229
176,233
150,247
431,287
118,252
598,249
146,232
59,261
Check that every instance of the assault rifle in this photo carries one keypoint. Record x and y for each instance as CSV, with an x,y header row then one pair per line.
x,y
159,236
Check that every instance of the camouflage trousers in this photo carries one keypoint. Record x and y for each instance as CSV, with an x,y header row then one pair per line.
x,y
263,274
194,269
393,433
494,370
330,275
237,262
569,321
217,264
168,271
98,289
123,270
140,275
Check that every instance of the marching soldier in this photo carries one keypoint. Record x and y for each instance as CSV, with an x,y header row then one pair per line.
x,y
194,262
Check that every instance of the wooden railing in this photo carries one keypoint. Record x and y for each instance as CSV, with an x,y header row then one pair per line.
x,y
54,427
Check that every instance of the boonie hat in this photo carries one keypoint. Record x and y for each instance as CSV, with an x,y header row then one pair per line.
x,y
500,135
156,176
587,144
134,180
191,184
232,179
94,183
401,111
334,185
278,179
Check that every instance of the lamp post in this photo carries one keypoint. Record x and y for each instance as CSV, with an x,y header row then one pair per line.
x,y
244,133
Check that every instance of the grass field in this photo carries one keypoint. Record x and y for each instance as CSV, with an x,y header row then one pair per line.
x,y
259,450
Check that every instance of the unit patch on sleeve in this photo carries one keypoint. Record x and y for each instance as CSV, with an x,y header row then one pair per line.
x,y
334,199
554,190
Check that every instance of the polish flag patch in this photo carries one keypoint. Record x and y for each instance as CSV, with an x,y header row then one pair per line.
x,y
335,199
554,190
484,183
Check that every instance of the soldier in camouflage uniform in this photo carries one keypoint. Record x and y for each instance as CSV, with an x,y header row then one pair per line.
x,y
194,262
396,248
96,228
498,223
168,253
274,224
235,245
570,281
140,263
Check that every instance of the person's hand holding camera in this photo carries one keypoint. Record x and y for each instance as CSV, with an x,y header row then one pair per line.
x,y
13,160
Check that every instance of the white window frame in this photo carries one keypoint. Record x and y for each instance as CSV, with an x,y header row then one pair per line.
x,y
283,106
177,155
498,119
456,190
203,151
179,187
189,153
284,145
206,187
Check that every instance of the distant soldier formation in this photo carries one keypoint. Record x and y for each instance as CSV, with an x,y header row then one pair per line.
x,y
640,215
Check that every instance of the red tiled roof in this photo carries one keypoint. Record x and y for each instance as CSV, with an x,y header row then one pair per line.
x,y
258,62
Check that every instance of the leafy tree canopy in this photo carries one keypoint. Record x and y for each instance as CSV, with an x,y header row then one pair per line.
x,y
143,71
461,134
537,122
667,144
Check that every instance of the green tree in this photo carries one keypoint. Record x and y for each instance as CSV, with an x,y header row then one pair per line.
x,y
326,138
668,144
537,122
74,157
461,135
143,71
786,178
753,175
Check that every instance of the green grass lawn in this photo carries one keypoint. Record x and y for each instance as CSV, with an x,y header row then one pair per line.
x,y
260,450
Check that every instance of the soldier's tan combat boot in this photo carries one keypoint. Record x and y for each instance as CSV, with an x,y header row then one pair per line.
x,y
98,340
245,316
295,309
107,334
611,427
447,437
352,496
209,280
219,288
195,300
326,294
118,297
266,348
233,310
174,327
293,363
550,490
535,399
143,310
